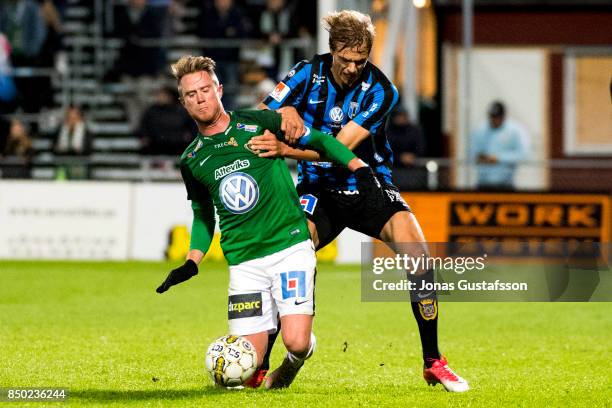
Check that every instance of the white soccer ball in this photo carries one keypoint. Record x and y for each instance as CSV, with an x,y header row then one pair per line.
x,y
231,360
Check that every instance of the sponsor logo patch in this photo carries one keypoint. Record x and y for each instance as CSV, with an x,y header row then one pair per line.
x,y
318,79
239,193
395,196
244,305
279,93
315,101
293,284
235,166
308,203
246,128
428,308
230,142
336,114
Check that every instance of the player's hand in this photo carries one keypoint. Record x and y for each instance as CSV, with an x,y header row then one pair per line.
x,y
291,123
184,272
268,145
367,182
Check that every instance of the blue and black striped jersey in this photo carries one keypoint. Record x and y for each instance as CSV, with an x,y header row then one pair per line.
x,y
324,105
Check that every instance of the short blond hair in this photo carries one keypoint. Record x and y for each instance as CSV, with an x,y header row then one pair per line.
x,y
189,64
349,29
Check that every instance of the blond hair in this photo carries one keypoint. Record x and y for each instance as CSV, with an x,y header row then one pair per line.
x,y
349,29
189,64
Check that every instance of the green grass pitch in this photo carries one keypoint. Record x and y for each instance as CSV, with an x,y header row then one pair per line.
x,y
100,330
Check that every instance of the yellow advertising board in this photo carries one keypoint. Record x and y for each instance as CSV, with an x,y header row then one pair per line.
x,y
449,217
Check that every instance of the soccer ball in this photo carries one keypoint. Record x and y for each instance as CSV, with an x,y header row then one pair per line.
x,y
231,360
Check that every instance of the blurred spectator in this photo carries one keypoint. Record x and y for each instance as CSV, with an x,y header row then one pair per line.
x,y
8,92
223,20
72,137
23,24
497,148
165,127
407,143
275,24
53,41
139,24
18,143
406,139
262,89
17,152
47,56
5,126
253,83
177,11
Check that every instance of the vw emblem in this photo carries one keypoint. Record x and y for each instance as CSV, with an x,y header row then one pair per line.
x,y
239,193
336,114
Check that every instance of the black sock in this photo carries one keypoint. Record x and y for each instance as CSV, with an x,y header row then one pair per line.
x,y
425,309
265,364
426,315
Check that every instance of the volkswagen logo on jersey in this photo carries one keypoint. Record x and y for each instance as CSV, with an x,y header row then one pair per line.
x,y
336,114
239,193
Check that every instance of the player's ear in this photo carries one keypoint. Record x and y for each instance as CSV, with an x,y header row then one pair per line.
x,y
220,90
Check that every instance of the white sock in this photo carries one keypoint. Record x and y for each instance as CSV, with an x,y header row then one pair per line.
x,y
295,360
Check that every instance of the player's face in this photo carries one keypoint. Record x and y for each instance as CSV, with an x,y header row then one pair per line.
x,y
496,121
201,96
348,63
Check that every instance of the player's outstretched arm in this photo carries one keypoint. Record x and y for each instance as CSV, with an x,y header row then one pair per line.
x,y
202,231
184,272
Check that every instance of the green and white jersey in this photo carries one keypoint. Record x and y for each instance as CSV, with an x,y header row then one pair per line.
x,y
255,198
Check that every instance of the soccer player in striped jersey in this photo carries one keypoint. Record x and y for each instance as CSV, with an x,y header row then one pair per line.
x,y
344,94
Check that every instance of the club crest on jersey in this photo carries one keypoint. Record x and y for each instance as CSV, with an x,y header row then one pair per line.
x,y
239,193
279,93
291,73
308,203
230,168
293,284
336,114
247,146
246,128
365,86
353,109
198,146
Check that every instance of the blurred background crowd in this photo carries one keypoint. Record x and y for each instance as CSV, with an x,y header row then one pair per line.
x,y
85,90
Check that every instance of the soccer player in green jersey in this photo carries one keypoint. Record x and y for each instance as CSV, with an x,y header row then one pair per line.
x,y
264,234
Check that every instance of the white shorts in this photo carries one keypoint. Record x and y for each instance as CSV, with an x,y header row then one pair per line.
x,y
280,283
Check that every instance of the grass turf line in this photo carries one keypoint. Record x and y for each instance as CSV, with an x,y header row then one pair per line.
x,y
100,330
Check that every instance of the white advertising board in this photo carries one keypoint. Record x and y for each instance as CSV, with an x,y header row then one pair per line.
x,y
114,221
58,220
158,208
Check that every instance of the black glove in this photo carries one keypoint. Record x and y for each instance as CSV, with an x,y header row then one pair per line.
x,y
178,275
367,182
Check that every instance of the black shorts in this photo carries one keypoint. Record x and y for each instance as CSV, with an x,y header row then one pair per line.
x,y
332,211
